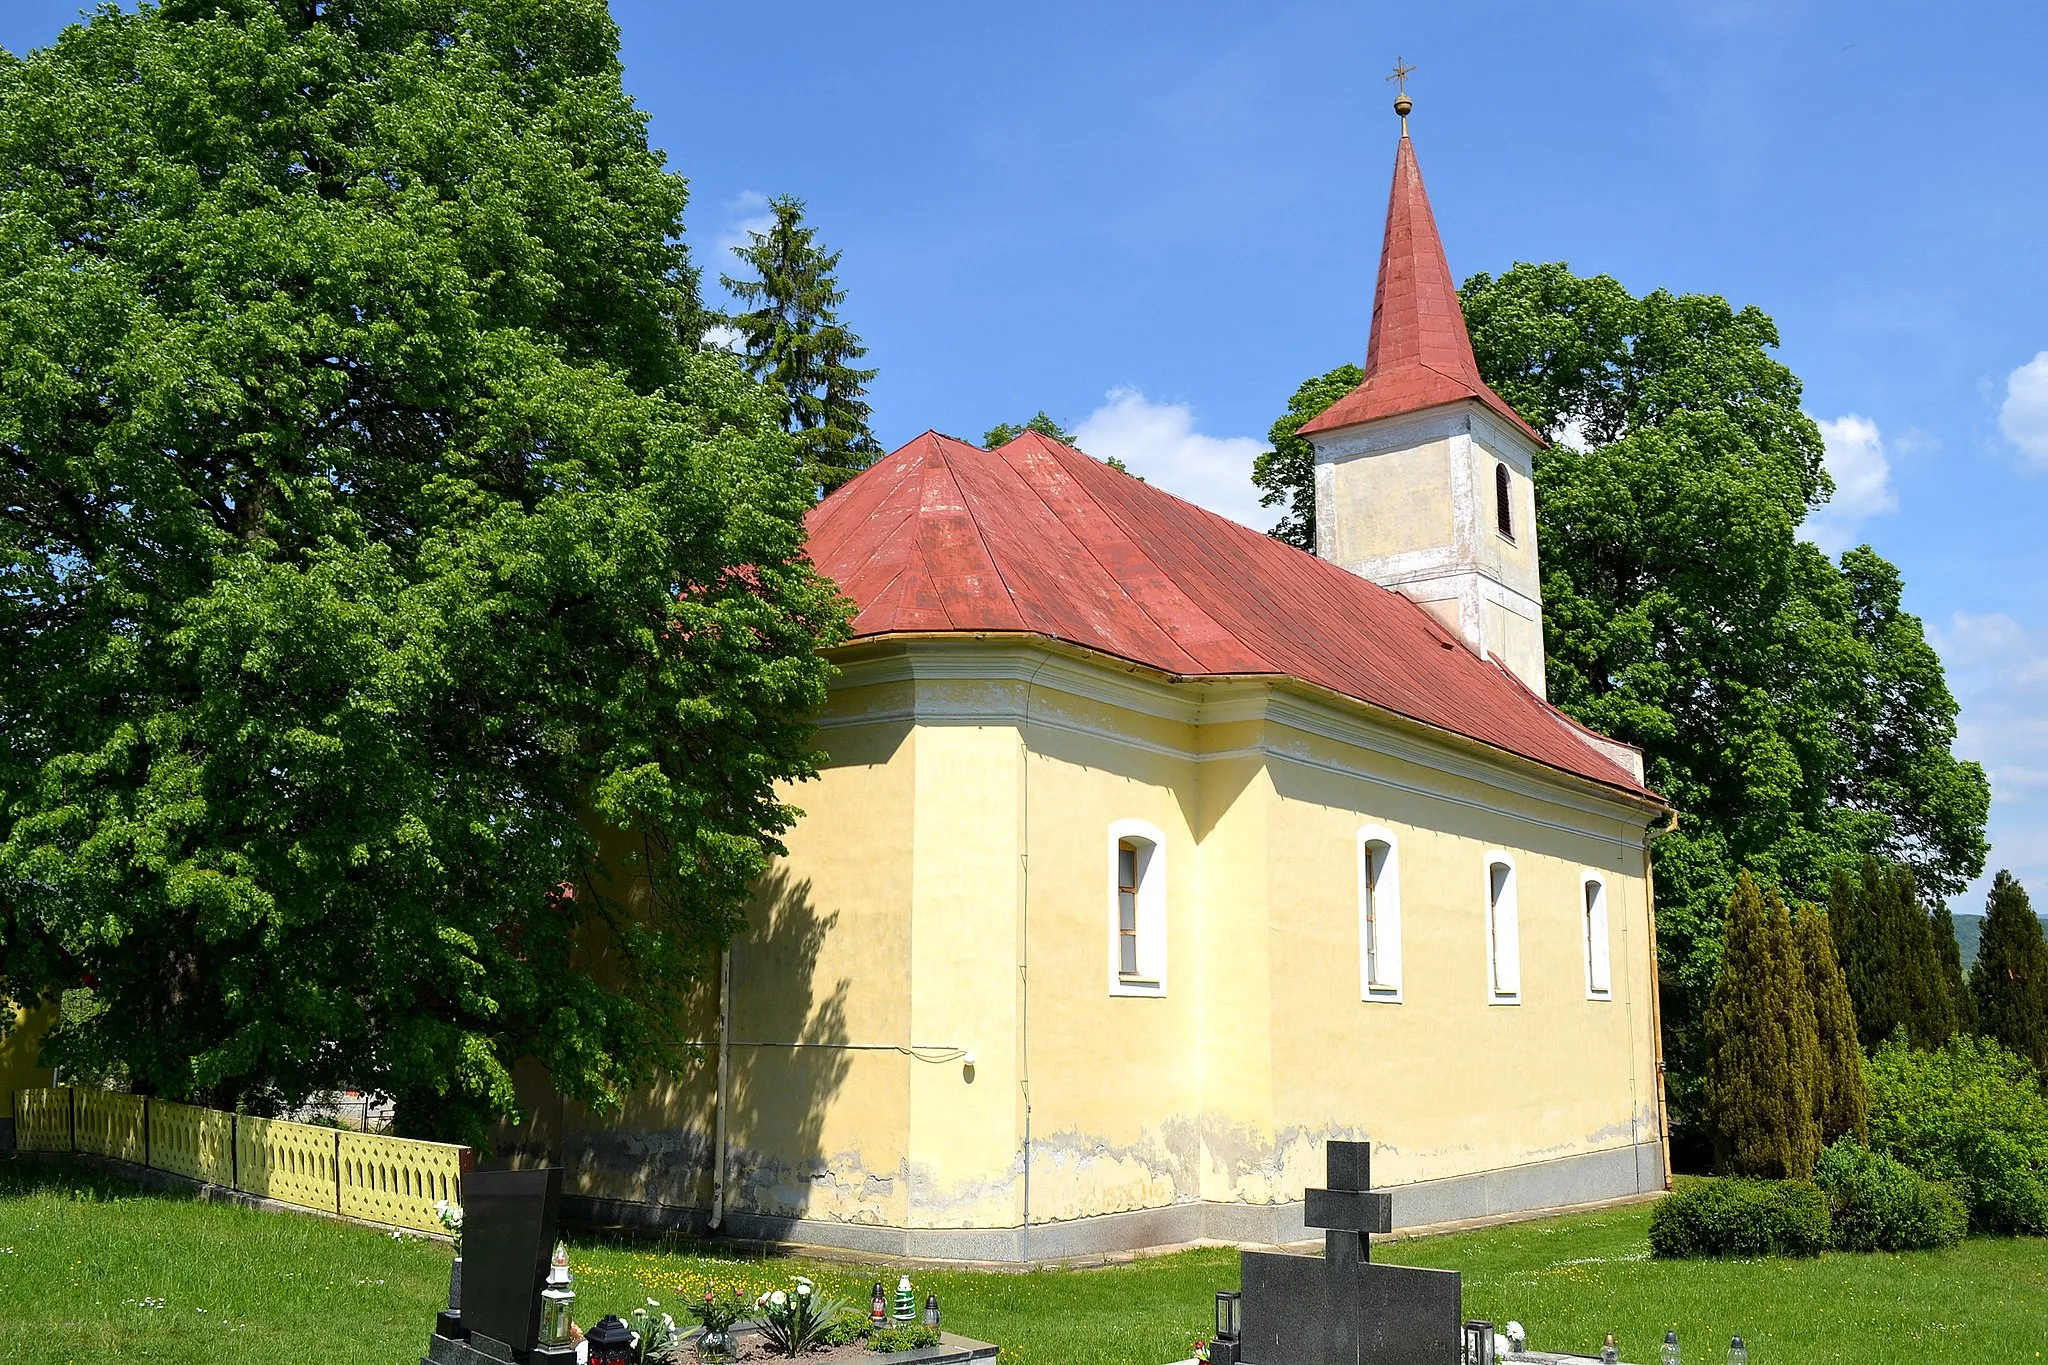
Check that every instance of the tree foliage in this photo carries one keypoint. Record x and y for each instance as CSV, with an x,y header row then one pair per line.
x,y
376,534
1841,1103
1786,704
2010,978
1286,474
1764,1058
796,345
1002,433
1890,954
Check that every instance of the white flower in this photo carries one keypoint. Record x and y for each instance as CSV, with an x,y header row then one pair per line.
x,y
652,1304
668,1324
779,1299
803,1289
1500,1345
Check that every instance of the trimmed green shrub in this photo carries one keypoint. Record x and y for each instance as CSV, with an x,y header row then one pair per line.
x,y
1971,1115
904,1336
1876,1203
1729,1216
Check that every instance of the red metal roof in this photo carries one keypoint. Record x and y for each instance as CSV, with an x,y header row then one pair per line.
x,y
1419,355
1038,537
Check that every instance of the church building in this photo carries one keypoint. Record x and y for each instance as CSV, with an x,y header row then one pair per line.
x,y
1151,853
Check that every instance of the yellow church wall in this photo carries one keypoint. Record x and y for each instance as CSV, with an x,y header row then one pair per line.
x,y
1558,1074
894,939
1115,1079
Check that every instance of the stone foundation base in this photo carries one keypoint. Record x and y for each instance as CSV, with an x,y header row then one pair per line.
x,y
1590,1179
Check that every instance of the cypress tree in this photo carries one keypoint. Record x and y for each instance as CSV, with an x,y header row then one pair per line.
x,y
1854,927
795,344
1951,955
2010,978
1763,1044
1889,956
1841,1103
1930,1012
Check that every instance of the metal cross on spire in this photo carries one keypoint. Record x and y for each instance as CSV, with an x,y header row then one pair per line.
x,y
1402,104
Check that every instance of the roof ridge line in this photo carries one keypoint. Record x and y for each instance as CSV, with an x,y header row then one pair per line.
x,y
980,536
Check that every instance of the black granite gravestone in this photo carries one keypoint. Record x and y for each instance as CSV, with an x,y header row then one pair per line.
x,y
508,1237
1342,1309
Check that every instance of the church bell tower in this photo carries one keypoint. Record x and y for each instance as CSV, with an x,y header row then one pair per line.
x,y
1423,473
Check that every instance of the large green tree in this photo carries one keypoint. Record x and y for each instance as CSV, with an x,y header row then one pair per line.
x,y
2010,978
1286,474
376,533
795,343
1786,704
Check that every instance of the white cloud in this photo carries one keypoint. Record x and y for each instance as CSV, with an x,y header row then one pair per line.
x,y
1855,459
1998,670
2024,417
1158,442
745,214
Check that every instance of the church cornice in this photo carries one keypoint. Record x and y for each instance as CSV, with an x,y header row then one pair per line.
x,y
1276,701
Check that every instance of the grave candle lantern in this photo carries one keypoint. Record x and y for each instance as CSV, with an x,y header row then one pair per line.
x,y
1478,1342
931,1310
611,1342
557,1301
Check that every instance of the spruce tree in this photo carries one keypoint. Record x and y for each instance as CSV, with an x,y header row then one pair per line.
x,y
1841,1103
2010,978
1763,1044
1950,954
795,344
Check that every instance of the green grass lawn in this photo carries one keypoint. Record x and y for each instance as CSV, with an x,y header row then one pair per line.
x,y
92,1270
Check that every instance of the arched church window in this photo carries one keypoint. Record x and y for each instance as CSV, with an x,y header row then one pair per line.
x,y
1503,512
1503,932
1379,916
1599,965
1137,909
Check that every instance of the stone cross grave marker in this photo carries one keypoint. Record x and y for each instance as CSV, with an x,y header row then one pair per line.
x,y
1343,1309
508,1237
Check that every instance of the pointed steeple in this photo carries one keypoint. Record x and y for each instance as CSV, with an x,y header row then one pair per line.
x,y
1424,475
1419,354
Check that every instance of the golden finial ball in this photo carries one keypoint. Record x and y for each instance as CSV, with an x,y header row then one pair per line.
x,y
1402,104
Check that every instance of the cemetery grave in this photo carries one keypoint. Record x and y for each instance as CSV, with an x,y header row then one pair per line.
x,y
512,1301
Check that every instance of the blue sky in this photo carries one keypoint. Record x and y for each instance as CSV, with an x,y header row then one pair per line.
x,y
1153,221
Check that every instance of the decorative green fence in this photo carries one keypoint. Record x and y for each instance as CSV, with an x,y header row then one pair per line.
x,y
362,1175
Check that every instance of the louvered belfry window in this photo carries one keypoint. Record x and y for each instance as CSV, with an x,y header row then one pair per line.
x,y
1503,513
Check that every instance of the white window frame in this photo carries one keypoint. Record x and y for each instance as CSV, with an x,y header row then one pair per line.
x,y
1151,977
1595,926
1379,917
1503,925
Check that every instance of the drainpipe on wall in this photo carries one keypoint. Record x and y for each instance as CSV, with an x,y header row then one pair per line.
x,y
1657,991
720,1104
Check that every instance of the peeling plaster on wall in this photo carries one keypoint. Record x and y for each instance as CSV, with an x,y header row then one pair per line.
x,y
835,1189
1260,1171
1074,1174
992,1202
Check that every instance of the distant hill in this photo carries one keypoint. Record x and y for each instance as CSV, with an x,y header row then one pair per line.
x,y
1970,929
